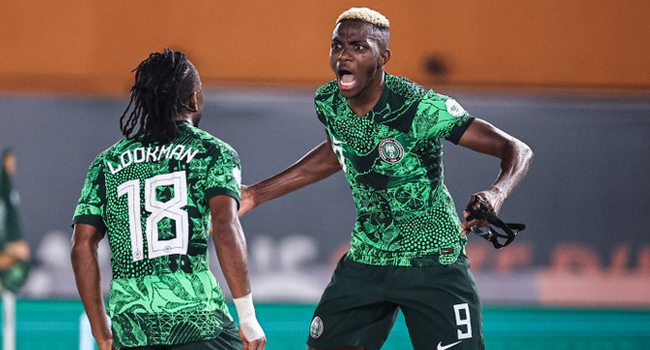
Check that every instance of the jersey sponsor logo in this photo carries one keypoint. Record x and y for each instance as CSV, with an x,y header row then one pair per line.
x,y
316,327
454,108
391,151
445,347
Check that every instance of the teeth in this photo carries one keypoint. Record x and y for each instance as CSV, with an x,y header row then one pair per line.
x,y
347,81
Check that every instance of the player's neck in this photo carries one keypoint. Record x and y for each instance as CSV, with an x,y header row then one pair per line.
x,y
186,117
367,99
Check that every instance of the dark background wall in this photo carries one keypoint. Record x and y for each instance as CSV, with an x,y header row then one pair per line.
x,y
584,199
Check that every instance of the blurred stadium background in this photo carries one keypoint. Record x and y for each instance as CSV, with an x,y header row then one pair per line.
x,y
572,79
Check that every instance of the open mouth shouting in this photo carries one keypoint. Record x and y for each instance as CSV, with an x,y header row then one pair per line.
x,y
346,80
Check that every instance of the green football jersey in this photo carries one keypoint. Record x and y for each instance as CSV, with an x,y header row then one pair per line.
x,y
392,159
152,201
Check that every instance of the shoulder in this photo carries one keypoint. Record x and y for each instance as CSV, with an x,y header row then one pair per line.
x,y
213,144
111,152
226,150
328,100
121,146
412,90
444,103
327,89
404,87
193,135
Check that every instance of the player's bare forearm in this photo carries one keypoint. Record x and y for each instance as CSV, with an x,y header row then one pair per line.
x,y
231,252
516,158
85,265
230,244
315,165
515,161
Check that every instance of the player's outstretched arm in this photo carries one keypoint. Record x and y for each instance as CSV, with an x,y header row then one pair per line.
x,y
230,245
83,255
315,165
515,156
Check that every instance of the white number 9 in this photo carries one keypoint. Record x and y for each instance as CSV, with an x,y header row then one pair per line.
x,y
463,320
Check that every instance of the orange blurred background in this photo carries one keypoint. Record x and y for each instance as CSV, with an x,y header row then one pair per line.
x,y
92,46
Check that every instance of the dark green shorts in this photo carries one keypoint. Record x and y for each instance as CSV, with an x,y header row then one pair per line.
x,y
359,306
228,339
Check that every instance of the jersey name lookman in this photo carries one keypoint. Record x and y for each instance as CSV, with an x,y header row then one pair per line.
x,y
152,201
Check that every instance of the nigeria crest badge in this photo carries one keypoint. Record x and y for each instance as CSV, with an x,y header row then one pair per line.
x,y
391,151
316,327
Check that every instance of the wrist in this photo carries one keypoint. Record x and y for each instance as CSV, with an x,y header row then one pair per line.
x,y
248,323
244,306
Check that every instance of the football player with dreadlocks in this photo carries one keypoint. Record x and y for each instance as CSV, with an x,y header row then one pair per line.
x,y
155,194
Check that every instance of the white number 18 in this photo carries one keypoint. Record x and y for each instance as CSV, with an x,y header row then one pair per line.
x,y
171,209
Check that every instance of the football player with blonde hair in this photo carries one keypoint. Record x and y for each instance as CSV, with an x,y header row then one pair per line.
x,y
407,250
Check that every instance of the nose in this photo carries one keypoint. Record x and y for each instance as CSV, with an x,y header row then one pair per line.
x,y
344,55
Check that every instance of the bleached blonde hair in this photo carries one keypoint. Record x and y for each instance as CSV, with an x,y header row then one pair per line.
x,y
365,14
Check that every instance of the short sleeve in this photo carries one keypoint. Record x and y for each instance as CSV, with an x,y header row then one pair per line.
x,y
224,174
92,202
320,114
442,117
326,100
321,106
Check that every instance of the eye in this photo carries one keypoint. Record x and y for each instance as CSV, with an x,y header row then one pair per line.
x,y
336,46
359,47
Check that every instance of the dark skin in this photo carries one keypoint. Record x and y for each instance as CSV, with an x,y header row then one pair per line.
x,y
227,235
360,51
83,254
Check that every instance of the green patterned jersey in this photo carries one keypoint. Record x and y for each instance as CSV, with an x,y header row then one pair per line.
x,y
392,159
152,201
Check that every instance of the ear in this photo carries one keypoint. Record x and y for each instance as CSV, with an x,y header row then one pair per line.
x,y
193,102
384,57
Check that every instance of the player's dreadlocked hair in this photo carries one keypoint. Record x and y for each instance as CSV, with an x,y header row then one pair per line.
x,y
163,82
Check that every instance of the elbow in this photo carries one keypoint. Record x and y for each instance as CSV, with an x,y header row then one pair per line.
x,y
518,151
80,251
222,228
322,170
75,253
527,154
330,169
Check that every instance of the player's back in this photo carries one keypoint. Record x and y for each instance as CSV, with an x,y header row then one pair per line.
x,y
157,220
156,199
